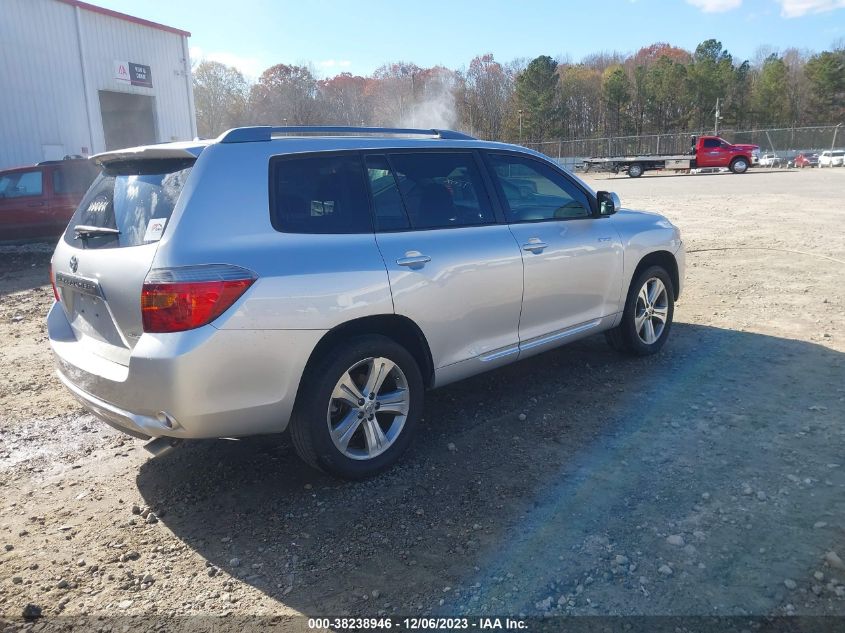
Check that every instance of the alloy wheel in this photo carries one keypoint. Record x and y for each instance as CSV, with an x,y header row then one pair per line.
x,y
368,408
651,311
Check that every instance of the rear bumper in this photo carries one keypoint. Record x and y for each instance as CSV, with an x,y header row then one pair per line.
x,y
203,383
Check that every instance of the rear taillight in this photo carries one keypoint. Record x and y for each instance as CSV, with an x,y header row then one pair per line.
x,y
53,283
179,299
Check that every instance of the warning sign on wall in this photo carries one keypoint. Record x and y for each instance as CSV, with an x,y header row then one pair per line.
x,y
132,73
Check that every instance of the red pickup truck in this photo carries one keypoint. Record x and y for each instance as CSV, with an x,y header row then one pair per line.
x,y
706,152
37,202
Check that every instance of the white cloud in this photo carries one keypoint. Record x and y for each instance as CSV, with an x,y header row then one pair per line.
x,y
797,8
715,6
251,67
330,64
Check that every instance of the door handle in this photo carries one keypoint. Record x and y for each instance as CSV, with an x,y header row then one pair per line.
x,y
413,259
35,204
534,245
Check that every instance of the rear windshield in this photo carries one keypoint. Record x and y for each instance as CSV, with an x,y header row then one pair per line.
x,y
134,199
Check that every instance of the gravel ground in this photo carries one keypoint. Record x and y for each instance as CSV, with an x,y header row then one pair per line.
x,y
707,480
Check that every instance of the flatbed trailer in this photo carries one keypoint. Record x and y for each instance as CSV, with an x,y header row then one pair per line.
x,y
636,165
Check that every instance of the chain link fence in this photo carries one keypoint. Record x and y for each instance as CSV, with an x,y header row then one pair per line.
x,y
781,141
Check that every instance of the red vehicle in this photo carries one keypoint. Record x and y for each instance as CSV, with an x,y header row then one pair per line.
x,y
706,152
37,202
806,160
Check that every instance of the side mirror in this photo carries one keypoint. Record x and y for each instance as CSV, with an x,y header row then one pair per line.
x,y
609,202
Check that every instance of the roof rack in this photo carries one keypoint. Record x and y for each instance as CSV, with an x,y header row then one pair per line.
x,y
266,132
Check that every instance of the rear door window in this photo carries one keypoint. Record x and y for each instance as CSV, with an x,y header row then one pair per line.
x,y
387,201
132,200
437,189
319,194
21,184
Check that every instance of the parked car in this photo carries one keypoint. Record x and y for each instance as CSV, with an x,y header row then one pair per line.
x,y
37,202
770,160
832,158
806,160
272,279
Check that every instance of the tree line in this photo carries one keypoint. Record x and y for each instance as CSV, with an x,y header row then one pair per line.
x,y
659,89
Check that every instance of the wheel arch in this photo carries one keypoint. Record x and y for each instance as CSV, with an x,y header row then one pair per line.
x,y
399,328
665,260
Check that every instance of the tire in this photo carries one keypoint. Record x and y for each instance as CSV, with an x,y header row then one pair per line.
x,y
326,401
739,165
626,337
635,170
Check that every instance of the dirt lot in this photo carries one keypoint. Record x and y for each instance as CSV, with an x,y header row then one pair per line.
x,y
707,480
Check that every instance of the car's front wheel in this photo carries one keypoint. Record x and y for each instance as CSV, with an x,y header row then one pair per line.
x,y
358,407
647,318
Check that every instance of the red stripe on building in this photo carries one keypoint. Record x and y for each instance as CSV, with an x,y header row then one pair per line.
x,y
123,16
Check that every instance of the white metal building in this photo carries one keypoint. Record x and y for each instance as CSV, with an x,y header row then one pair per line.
x,y
80,79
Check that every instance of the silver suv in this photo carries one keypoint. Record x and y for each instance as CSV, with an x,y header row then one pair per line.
x,y
320,279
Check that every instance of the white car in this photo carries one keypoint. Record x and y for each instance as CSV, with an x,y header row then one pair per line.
x,y
769,160
832,158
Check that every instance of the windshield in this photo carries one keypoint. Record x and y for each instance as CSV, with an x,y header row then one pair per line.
x,y
132,200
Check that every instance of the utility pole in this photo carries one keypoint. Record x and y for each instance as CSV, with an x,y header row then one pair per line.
x,y
519,112
718,116
833,142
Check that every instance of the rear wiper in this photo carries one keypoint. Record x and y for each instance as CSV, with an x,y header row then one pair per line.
x,y
85,231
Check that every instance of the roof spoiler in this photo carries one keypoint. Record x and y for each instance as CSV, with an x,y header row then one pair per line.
x,y
148,152
266,132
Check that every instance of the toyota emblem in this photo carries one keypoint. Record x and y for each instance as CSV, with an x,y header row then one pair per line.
x,y
74,264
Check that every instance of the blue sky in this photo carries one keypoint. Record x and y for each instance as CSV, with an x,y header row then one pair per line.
x,y
359,36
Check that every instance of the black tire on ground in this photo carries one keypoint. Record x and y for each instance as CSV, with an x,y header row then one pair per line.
x,y
635,170
624,337
739,165
309,427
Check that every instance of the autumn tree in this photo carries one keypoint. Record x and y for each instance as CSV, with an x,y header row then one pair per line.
x,y
344,100
394,90
581,100
285,93
220,97
486,89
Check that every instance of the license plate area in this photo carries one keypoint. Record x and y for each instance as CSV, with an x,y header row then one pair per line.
x,y
87,309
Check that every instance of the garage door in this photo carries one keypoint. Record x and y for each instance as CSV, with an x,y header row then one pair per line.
x,y
128,119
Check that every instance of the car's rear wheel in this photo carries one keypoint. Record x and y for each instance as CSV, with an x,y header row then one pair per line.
x,y
647,318
358,407
739,165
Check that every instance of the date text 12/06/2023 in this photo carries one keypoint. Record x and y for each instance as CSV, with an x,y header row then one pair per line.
x,y
417,624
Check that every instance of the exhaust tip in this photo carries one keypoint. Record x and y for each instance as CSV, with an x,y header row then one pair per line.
x,y
161,445
167,420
